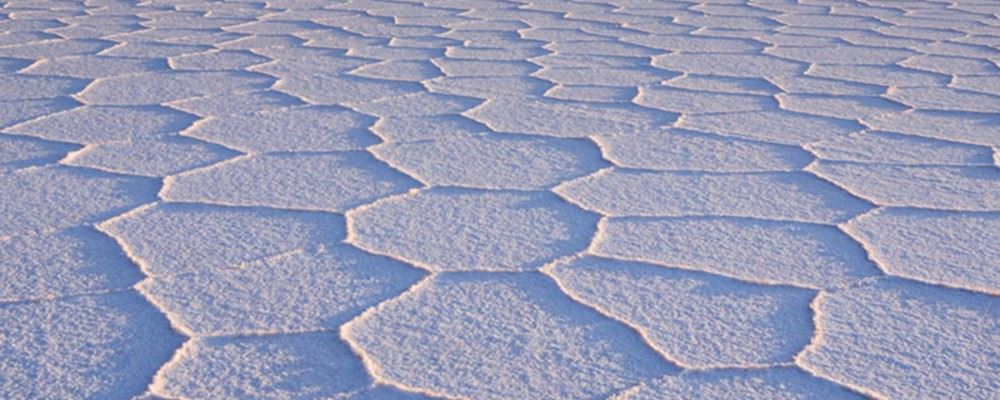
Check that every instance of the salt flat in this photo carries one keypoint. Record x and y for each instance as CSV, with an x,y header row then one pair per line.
x,y
551,199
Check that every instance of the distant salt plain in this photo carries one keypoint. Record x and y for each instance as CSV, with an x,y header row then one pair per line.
x,y
627,199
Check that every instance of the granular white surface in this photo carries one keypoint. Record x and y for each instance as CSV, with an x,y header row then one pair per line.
x,y
552,199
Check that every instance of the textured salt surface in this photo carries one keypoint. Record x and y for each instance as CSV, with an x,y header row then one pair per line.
x,y
628,199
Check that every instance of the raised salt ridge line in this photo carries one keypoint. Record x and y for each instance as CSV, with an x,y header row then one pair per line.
x,y
772,383
307,128
974,188
311,365
18,152
163,86
768,252
564,119
946,340
383,199
154,157
700,320
42,199
568,351
682,150
71,261
878,147
618,192
331,181
491,162
949,248
100,124
776,126
453,229
203,237
300,291
106,346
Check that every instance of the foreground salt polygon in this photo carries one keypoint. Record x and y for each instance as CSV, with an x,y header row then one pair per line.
x,y
622,199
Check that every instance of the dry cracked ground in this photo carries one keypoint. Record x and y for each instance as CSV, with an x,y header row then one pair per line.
x,y
627,199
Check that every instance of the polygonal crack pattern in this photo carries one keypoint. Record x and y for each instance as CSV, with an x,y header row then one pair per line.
x,y
466,199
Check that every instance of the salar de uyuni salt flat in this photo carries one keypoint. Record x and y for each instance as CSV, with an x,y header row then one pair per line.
x,y
496,199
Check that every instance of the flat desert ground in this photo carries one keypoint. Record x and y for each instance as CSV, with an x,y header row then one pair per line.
x,y
486,199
